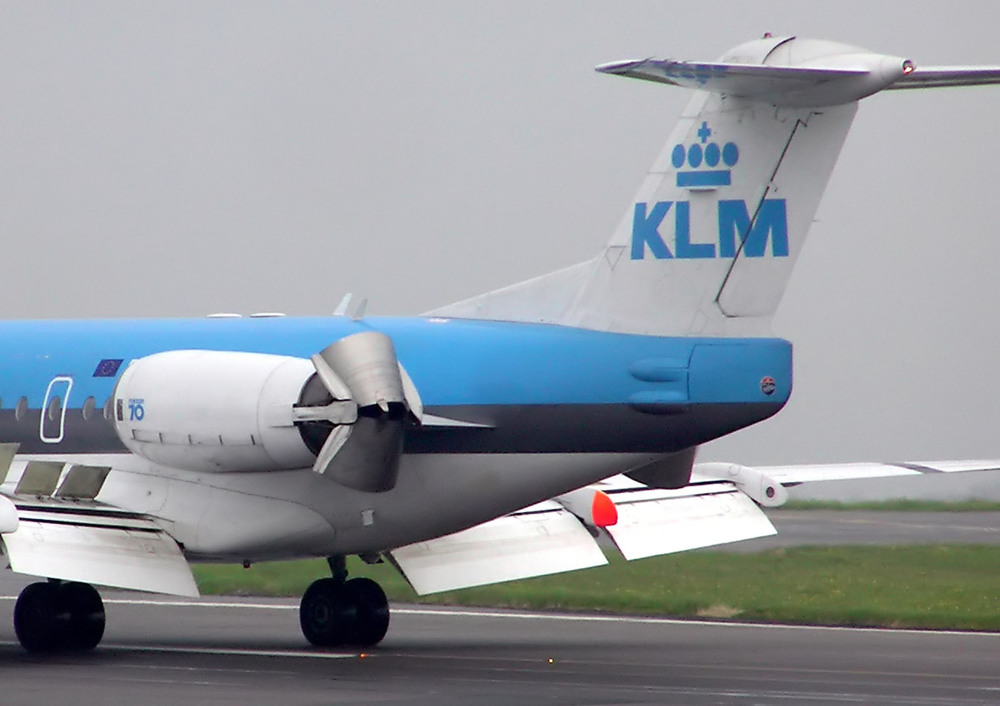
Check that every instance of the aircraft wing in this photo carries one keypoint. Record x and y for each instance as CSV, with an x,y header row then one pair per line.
x,y
567,533
58,530
720,505
789,476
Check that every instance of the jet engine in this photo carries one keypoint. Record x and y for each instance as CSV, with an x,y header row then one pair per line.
x,y
344,412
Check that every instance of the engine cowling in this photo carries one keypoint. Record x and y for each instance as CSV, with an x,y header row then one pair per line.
x,y
343,412
213,411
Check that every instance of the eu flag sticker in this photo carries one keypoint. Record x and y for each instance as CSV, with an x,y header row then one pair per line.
x,y
108,368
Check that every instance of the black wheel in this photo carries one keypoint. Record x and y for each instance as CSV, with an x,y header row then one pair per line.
x,y
86,615
322,614
367,601
40,621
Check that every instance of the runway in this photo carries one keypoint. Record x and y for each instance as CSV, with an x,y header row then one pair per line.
x,y
826,527
250,651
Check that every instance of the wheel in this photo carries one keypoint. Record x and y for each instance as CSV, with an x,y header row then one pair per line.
x,y
367,601
86,615
40,620
322,614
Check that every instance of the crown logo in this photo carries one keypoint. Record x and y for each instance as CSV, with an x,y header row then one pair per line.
x,y
709,154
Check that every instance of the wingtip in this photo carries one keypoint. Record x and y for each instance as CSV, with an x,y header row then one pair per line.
x,y
619,67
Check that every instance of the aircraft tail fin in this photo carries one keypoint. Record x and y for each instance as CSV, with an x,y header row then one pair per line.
x,y
711,238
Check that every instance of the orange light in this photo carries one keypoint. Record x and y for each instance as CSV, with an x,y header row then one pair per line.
x,y
603,510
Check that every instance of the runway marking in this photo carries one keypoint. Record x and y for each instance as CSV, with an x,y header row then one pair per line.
x,y
223,651
238,652
227,670
446,612
903,522
638,620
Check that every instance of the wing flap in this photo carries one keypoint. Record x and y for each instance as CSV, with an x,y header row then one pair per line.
x,y
97,545
654,522
548,538
547,541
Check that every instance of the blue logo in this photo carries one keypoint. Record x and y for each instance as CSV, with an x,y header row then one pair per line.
x,y
136,410
737,233
709,166
706,153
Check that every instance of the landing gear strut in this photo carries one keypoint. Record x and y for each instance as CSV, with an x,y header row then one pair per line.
x,y
337,611
59,616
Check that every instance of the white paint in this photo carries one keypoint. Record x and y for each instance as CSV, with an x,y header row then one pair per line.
x,y
63,405
213,411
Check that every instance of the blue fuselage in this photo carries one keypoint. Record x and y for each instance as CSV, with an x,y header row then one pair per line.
x,y
533,388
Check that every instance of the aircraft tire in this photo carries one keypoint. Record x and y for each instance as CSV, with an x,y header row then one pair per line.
x,y
322,614
367,601
86,616
40,619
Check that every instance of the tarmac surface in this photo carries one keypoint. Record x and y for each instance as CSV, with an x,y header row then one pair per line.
x,y
826,527
250,651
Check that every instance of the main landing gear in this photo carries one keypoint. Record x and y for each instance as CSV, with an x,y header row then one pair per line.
x,y
59,616
339,612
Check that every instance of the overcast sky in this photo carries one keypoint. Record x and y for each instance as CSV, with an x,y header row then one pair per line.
x,y
180,159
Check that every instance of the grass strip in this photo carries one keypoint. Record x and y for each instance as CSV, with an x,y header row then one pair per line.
x,y
939,586
899,505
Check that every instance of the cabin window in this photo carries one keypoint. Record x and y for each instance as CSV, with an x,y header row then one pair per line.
x,y
89,407
55,408
21,411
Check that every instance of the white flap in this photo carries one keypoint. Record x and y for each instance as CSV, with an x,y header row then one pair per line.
x,y
649,527
504,549
144,559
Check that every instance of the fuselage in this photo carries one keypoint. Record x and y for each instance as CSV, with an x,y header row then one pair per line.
x,y
537,410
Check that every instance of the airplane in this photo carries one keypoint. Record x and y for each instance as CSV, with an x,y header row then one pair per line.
x,y
495,438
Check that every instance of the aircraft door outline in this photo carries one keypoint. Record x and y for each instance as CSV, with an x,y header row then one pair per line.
x,y
51,430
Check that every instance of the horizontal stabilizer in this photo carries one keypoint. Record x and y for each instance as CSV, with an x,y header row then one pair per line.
x,y
507,548
945,76
848,76
94,543
738,79
813,74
